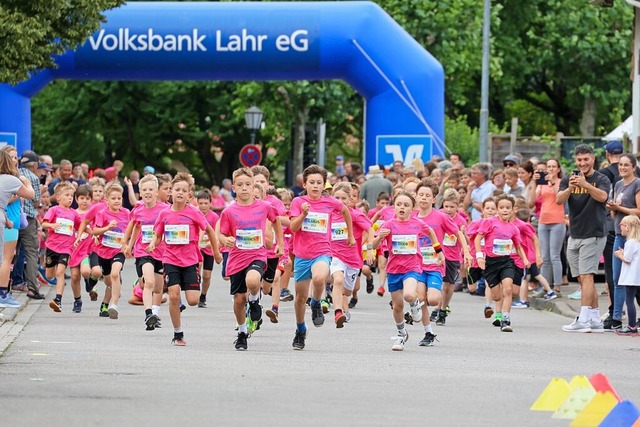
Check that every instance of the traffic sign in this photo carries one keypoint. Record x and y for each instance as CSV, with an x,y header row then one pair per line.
x,y
250,155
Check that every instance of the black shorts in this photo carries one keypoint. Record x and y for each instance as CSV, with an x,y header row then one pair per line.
x,y
517,280
533,271
239,280
158,267
187,277
270,274
474,274
53,258
207,261
452,272
105,264
498,268
225,257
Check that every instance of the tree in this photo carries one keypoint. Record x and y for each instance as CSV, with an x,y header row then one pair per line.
x,y
32,31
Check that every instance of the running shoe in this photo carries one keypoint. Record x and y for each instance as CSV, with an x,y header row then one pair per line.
x,y
151,321
104,310
113,312
550,296
55,306
353,302
434,315
488,312
42,277
497,319
370,286
299,339
93,295
251,325
348,316
7,301
442,318
178,340
577,326
597,327
627,331
325,306
505,326
241,341
77,306
182,307
416,311
255,310
202,303
520,304
317,316
408,319
272,314
399,342
286,295
340,318
381,291
576,295
428,340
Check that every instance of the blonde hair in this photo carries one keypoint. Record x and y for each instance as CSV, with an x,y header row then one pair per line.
x,y
149,178
183,177
113,186
342,186
284,194
62,187
260,189
633,222
242,172
451,195
96,181
7,164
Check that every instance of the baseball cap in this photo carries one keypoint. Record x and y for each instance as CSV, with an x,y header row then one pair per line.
x,y
614,147
339,158
511,159
149,169
45,166
29,156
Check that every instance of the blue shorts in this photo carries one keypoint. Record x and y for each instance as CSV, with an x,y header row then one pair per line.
x,y
395,282
302,267
432,279
10,234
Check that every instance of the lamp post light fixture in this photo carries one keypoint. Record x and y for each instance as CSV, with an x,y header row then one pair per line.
x,y
253,119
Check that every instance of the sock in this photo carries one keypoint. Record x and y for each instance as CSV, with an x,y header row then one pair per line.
x,y
584,314
155,309
177,331
401,329
301,327
4,292
428,328
506,316
415,303
103,304
77,298
58,297
314,302
255,297
147,312
595,315
242,328
274,308
487,305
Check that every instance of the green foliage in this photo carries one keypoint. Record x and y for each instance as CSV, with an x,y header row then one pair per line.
x,y
462,139
33,30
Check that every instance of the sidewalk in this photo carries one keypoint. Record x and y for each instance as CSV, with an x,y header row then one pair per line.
x,y
568,307
9,314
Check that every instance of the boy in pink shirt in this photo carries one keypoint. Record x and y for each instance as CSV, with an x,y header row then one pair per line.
x,y
204,204
180,228
139,234
108,257
61,222
500,237
79,260
243,230
311,225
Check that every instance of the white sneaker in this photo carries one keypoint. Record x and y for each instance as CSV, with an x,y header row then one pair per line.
x,y
577,326
400,341
597,327
113,312
416,311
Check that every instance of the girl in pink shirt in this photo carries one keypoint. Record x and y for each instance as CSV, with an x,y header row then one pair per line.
x,y
79,260
500,235
404,269
311,225
243,227
108,257
180,227
61,222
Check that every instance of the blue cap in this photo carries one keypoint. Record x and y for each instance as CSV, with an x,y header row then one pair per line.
x,y
149,169
614,147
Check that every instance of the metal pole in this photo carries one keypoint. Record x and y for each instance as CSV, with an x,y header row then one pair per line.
x,y
484,105
253,137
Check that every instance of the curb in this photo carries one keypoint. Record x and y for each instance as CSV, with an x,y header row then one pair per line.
x,y
13,320
555,306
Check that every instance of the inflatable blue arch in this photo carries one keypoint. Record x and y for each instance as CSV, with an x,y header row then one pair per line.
x,y
358,42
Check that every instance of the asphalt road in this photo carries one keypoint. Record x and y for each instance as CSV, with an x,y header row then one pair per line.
x,y
82,370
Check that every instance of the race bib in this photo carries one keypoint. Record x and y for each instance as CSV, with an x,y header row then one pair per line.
x,y
339,231
428,255
404,244
249,239
176,234
147,233
502,247
113,239
316,222
65,228
204,241
449,240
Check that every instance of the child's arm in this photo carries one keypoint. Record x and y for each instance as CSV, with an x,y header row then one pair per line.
x,y
383,233
296,223
462,238
213,241
81,230
620,255
98,231
279,238
479,254
522,255
436,245
371,257
347,218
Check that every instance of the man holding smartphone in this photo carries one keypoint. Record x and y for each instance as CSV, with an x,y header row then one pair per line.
x,y
586,192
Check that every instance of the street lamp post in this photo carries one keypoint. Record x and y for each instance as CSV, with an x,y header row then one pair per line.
x,y
253,119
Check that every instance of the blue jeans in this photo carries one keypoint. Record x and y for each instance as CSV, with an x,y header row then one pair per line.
x,y
618,291
17,273
551,239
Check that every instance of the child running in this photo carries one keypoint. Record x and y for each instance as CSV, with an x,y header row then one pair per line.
x,y
79,260
500,236
404,268
180,227
204,204
311,225
243,231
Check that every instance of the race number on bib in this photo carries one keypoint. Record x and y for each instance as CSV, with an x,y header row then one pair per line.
x,y
176,234
339,231
147,233
449,240
113,239
204,241
428,255
502,247
249,239
404,244
316,222
66,226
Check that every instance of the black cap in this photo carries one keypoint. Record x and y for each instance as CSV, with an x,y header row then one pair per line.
x,y
29,156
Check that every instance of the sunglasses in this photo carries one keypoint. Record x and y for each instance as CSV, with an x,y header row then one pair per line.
x,y
509,164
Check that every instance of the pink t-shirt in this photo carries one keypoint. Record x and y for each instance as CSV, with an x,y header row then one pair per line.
x,y
94,209
404,252
499,237
247,224
527,232
313,239
281,211
110,243
62,239
350,255
472,232
441,224
146,219
181,233
205,246
84,248
387,213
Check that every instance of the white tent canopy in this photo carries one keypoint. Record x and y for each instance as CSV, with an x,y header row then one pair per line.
x,y
619,132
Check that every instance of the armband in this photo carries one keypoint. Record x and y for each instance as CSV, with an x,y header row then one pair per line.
x,y
437,248
369,247
479,255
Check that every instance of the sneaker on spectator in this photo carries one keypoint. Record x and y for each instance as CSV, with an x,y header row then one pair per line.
x,y
576,295
520,304
7,301
538,293
42,277
550,296
627,331
597,327
577,326
612,325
